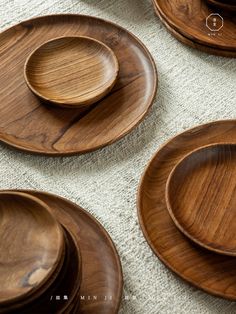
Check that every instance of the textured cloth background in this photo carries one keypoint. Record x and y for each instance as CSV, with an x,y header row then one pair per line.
x,y
194,88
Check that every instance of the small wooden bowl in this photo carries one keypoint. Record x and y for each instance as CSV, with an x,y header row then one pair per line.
x,y
31,246
201,197
71,71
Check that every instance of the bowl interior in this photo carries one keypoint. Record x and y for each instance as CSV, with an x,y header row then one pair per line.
x,y
71,71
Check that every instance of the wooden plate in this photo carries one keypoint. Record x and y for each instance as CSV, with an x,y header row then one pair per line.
x,y
27,124
223,5
189,18
66,284
192,44
31,245
201,199
214,273
102,280
71,71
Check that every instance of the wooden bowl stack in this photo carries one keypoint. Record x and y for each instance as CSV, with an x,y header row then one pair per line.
x,y
39,258
207,25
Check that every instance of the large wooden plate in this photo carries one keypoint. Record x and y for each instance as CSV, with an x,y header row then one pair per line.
x,y
189,19
193,44
214,273
102,280
28,124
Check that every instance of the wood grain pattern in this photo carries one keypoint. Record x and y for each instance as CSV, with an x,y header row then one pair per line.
x,y
201,199
189,19
195,45
66,283
192,44
223,5
102,273
213,273
27,124
31,245
71,71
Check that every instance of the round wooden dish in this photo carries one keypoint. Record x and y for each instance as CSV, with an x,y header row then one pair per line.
x,y
31,245
27,124
102,280
71,71
201,198
67,283
229,5
193,44
189,18
214,273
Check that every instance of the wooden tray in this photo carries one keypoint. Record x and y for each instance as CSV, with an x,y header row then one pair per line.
x,y
189,19
28,124
213,273
101,268
192,44
200,197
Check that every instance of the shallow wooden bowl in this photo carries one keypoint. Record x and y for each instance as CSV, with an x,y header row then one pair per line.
x,y
71,71
31,246
201,197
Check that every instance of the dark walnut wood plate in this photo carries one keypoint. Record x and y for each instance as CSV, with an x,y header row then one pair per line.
x,y
102,280
71,71
31,245
201,198
28,124
66,284
192,44
190,19
211,272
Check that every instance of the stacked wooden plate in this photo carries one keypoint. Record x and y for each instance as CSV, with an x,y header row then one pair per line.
x,y
187,206
71,84
207,25
51,257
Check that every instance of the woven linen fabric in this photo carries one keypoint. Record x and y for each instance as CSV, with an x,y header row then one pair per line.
x,y
194,88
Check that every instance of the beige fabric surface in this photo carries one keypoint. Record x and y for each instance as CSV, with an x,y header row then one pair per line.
x,y
194,88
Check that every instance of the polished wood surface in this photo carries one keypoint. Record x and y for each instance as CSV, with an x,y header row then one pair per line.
x,y
31,245
101,268
27,124
67,283
189,19
195,45
214,273
223,5
201,199
71,71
